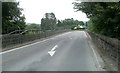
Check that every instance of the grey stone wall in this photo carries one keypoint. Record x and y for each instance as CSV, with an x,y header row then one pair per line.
x,y
11,41
109,46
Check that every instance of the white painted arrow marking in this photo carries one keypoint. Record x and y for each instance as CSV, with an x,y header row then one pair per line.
x,y
52,52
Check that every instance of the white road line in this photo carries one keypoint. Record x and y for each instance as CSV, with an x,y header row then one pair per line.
x,y
85,34
93,50
34,43
88,35
96,57
23,46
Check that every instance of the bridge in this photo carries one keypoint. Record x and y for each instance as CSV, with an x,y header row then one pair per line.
x,y
63,50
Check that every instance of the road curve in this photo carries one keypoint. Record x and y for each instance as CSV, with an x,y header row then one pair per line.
x,y
69,51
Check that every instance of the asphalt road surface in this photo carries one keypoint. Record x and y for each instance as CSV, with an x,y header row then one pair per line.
x,y
68,51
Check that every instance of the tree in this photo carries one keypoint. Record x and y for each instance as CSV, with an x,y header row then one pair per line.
x,y
33,26
104,16
69,23
12,18
49,22
59,23
76,22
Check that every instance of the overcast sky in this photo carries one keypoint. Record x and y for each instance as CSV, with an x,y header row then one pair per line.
x,y
34,10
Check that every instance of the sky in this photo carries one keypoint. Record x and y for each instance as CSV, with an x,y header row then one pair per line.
x,y
34,10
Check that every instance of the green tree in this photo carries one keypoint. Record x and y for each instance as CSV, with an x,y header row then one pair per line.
x,y
12,18
33,26
104,16
49,22
69,23
59,23
76,22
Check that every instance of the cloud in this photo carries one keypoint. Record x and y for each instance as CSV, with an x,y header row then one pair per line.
x,y
34,10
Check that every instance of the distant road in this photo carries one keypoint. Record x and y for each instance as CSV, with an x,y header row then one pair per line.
x,y
69,51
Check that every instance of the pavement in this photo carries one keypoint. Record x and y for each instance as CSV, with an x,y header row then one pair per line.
x,y
70,51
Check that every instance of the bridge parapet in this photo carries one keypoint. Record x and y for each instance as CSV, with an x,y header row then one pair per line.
x,y
15,40
108,46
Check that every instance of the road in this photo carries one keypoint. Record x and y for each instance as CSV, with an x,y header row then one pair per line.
x,y
69,51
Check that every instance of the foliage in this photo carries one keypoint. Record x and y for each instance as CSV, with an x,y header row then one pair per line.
x,y
104,17
69,23
48,22
33,26
12,18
